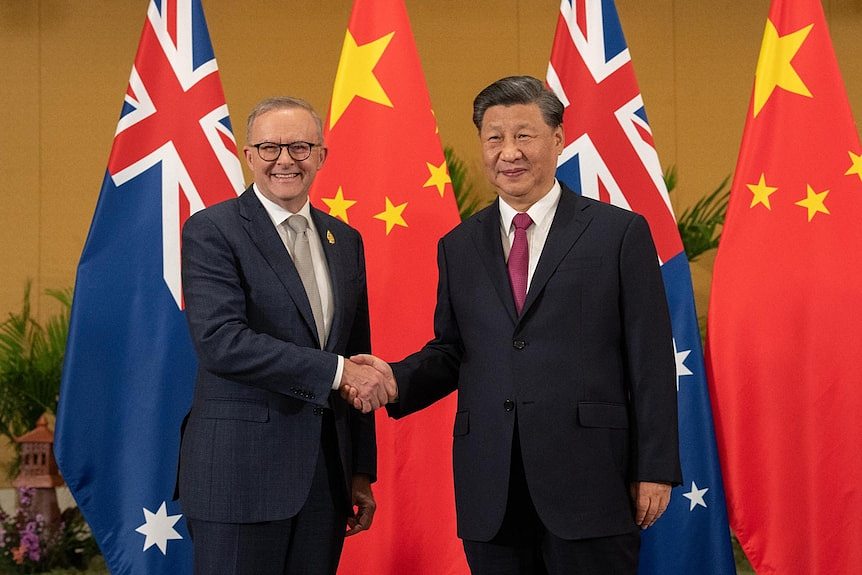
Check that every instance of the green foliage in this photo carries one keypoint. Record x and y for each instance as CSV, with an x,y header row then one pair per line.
x,y
31,360
465,192
699,225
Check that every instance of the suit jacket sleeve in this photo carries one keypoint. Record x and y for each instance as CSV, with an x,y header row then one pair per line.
x,y
226,344
650,361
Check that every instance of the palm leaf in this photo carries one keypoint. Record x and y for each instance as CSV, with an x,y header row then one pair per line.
x,y
31,360
700,225
465,193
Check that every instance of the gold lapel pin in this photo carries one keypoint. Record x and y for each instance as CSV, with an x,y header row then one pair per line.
x,y
329,237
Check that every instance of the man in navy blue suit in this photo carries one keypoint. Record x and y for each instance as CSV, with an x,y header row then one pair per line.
x,y
272,461
552,325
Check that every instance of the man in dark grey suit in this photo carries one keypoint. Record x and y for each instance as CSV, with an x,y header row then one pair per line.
x,y
552,324
272,461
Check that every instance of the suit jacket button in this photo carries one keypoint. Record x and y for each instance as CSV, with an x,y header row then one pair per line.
x,y
519,344
508,405
318,411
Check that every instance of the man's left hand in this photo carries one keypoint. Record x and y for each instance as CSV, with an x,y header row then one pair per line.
x,y
363,500
650,500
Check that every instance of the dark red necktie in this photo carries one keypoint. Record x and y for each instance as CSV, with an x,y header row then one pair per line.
x,y
519,260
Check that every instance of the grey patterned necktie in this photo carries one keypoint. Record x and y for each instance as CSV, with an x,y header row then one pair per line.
x,y
302,260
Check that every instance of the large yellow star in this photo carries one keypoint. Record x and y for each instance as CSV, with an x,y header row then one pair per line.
x,y
338,206
439,177
856,166
814,202
355,75
773,66
392,216
761,192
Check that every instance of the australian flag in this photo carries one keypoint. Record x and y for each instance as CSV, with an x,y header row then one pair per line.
x,y
609,155
129,371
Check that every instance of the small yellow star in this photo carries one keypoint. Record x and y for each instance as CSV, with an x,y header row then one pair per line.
x,y
761,192
338,206
856,166
774,69
355,75
814,202
392,216
439,177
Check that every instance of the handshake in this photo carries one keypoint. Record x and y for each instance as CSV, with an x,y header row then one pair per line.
x,y
367,383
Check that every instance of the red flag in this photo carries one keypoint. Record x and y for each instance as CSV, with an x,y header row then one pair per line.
x,y
785,313
386,176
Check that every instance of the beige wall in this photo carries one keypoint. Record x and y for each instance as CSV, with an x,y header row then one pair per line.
x,y
64,67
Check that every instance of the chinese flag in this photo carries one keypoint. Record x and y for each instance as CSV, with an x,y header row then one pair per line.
x,y
387,177
786,311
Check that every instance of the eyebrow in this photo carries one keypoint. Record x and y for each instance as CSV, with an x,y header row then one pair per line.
x,y
496,126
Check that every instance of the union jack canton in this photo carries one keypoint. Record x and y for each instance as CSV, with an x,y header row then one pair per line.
x,y
174,113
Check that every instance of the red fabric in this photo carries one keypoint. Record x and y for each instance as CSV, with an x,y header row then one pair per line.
x,y
785,354
379,152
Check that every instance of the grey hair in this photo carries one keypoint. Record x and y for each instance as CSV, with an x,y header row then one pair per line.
x,y
281,103
514,90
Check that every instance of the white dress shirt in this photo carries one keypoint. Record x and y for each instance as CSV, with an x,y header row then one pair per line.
x,y
279,216
542,213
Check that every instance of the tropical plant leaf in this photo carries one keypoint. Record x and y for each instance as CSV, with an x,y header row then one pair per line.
x,y
700,225
465,193
31,361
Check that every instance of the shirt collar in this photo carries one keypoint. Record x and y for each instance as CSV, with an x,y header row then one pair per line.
x,y
278,214
537,212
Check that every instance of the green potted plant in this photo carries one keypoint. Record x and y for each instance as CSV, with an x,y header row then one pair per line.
x,y
31,361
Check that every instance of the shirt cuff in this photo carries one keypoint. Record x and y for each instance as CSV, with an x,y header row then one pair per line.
x,y
338,372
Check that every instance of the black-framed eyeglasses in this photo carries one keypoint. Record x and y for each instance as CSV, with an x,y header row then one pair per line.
x,y
270,151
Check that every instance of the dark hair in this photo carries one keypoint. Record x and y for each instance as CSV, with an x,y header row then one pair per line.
x,y
519,90
281,103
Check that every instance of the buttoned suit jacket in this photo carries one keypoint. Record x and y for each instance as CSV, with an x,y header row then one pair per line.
x,y
250,442
587,369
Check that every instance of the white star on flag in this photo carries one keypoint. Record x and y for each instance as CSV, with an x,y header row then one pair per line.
x,y
159,528
681,369
695,496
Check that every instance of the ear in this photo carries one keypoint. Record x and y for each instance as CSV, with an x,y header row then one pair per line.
x,y
559,139
324,151
249,155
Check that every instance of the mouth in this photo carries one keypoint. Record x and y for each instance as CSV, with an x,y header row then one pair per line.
x,y
514,172
284,177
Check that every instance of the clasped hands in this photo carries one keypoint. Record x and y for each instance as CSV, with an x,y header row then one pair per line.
x,y
367,383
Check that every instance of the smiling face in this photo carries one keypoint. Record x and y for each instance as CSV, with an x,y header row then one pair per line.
x,y
285,181
520,153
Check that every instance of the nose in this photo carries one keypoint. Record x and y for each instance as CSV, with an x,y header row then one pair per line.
x,y
284,157
510,150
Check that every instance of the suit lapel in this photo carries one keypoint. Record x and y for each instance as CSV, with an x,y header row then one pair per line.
x,y
489,243
569,223
259,227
